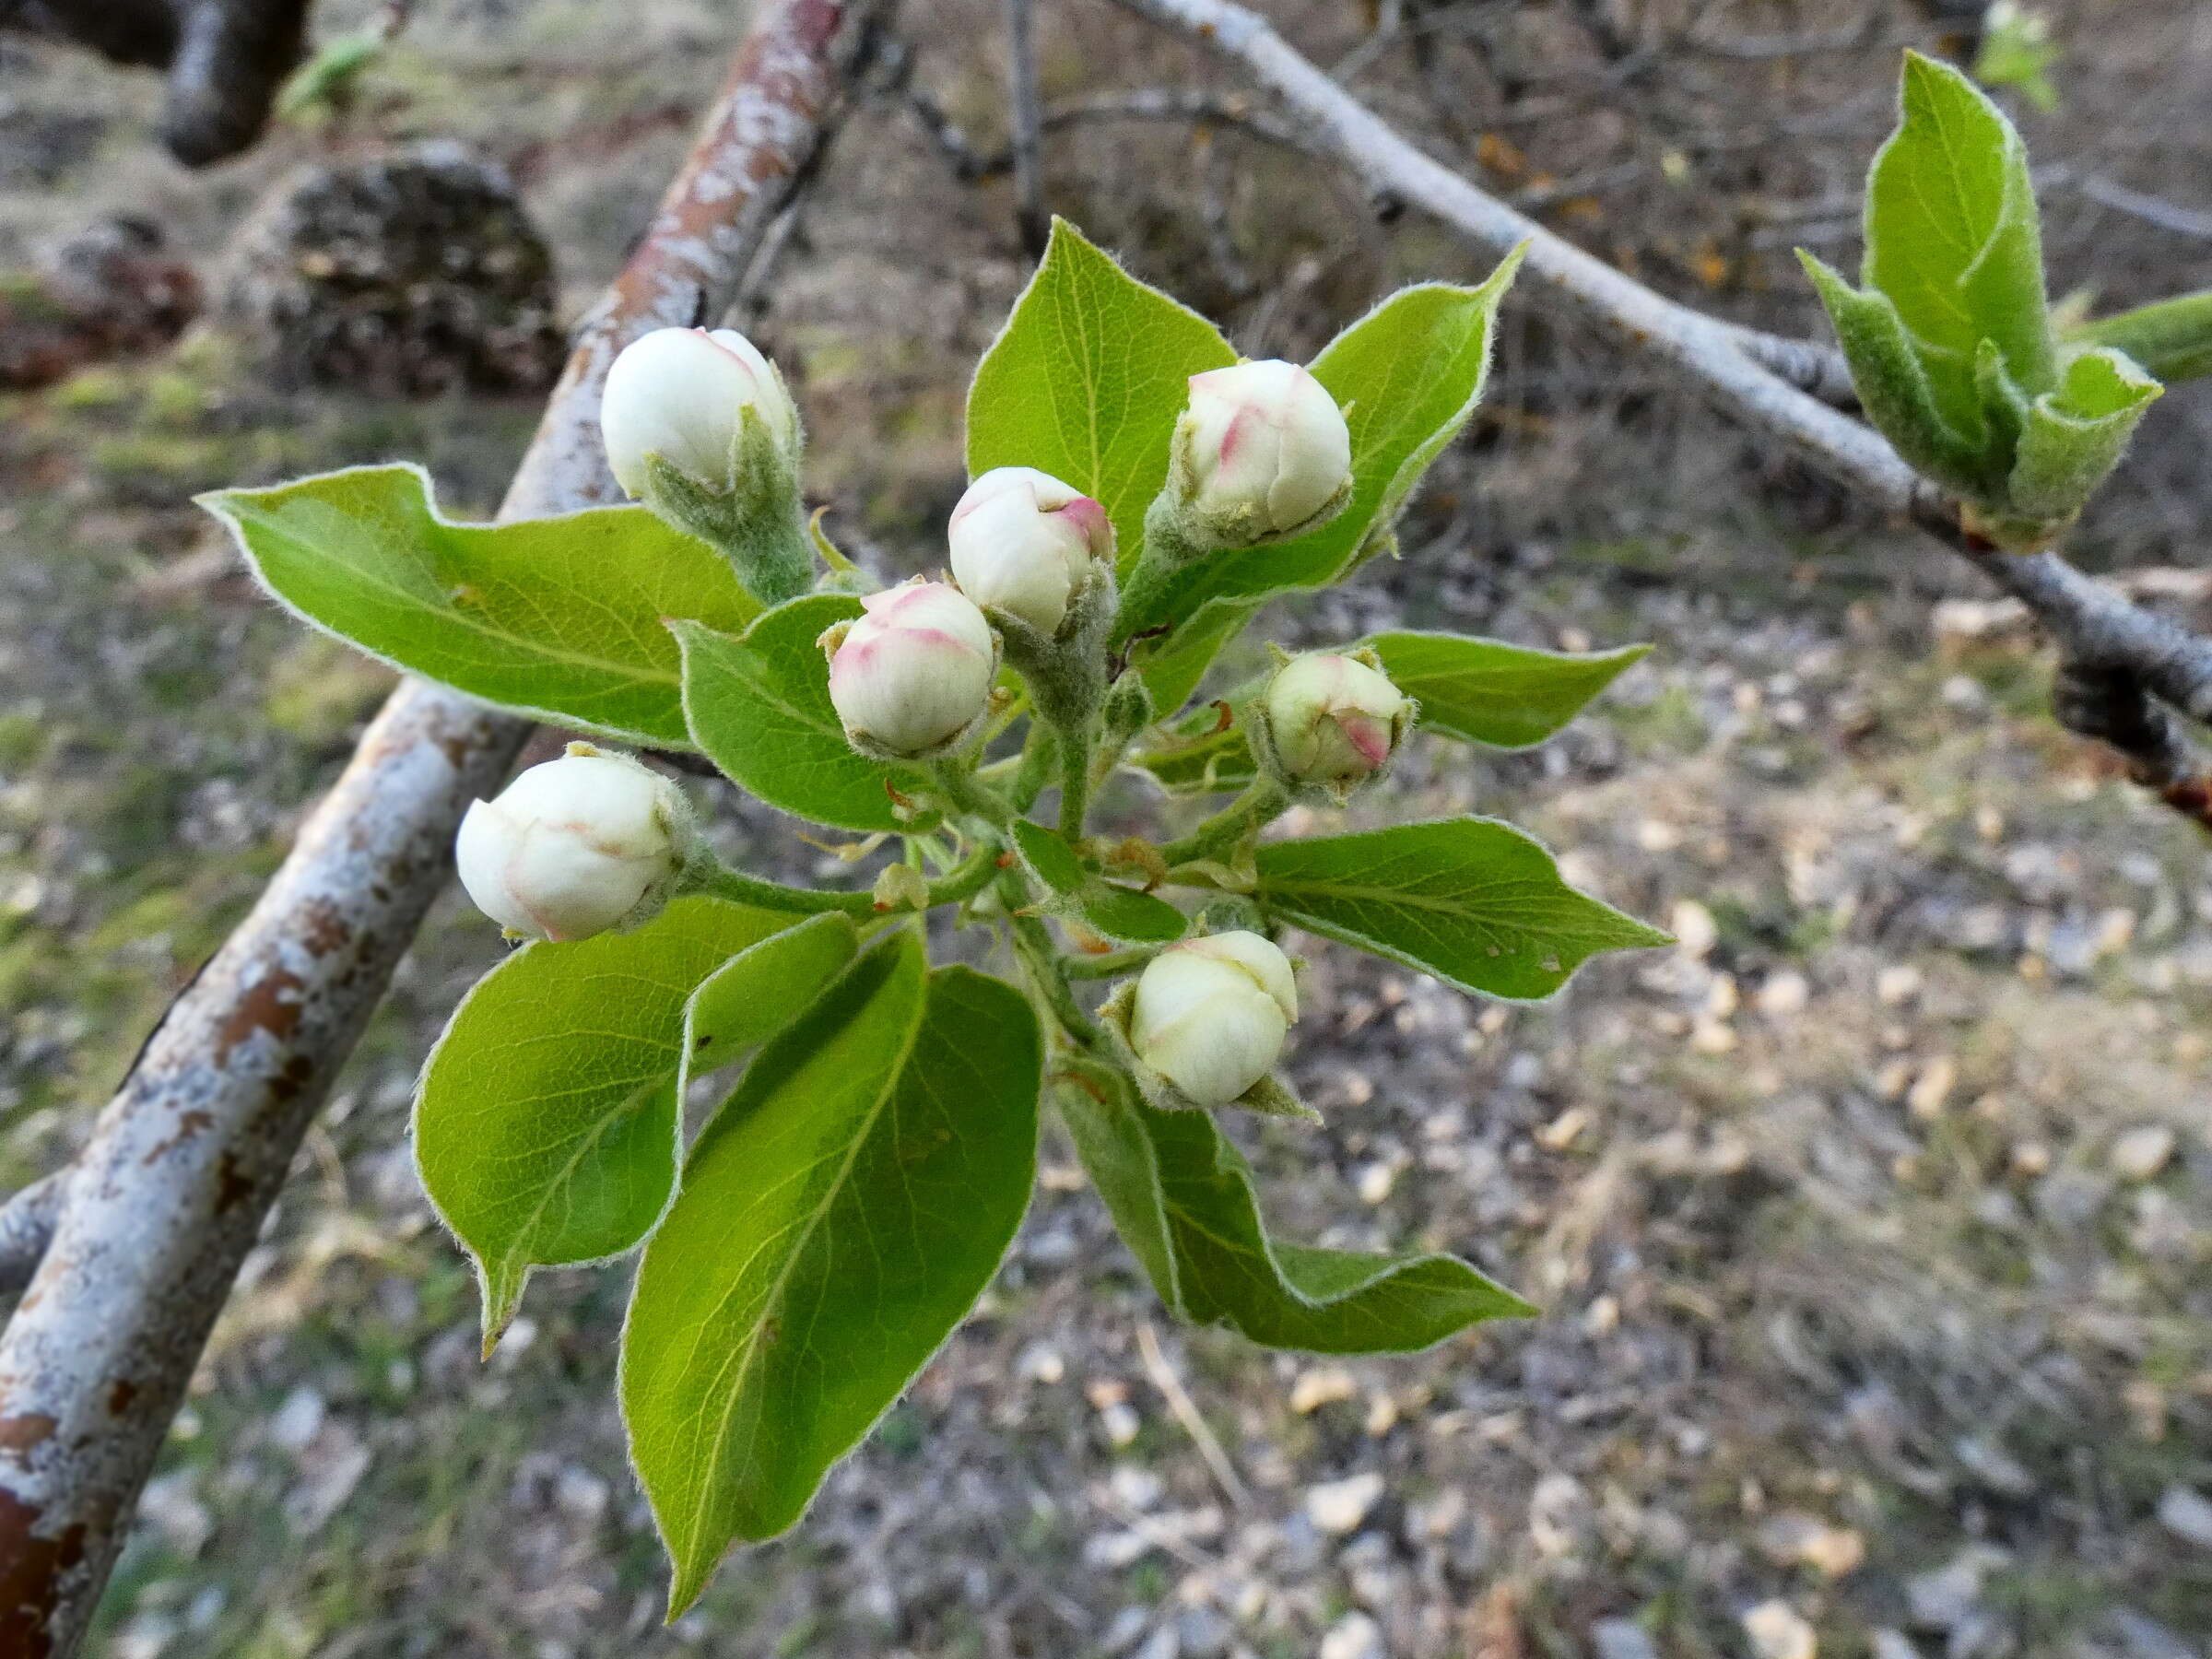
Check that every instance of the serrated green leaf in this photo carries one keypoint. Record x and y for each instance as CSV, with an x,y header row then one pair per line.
x,y
762,989
1182,1196
1407,376
1117,911
759,709
1484,690
561,619
545,1123
2171,340
2073,436
1087,380
837,1219
1474,901
1953,239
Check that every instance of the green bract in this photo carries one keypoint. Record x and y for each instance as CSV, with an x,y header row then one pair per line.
x,y
1949,337
872,1152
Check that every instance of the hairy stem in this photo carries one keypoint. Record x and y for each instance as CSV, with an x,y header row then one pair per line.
x,y
1260,804
971,876
1112,964
957,783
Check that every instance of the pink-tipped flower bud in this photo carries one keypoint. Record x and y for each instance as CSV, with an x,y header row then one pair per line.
x,y
1210,1013
1261,451
575,847
1024,542
681,393
1334,720
913,675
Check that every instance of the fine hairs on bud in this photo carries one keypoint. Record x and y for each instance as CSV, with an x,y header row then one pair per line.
x,y
1209,1016
576,846
911,677
681,393
1330,722
1023,542
1261,452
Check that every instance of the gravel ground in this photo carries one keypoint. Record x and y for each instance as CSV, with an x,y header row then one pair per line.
x,y
1870,1223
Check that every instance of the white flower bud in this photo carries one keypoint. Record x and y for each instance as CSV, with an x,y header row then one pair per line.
x,y
574,846
1023,541
1334,720
915,672
1210,1013
681,393
1262,448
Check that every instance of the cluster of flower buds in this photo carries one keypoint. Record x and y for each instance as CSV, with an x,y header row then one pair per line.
x,y
911,677
1330,722
1025,542
576,846
1261,453
1209,1016
682,395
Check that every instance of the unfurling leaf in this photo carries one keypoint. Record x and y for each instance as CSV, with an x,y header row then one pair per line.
x,y
562,619
2171,340
546,1125
760,708
839,1217
2073,437
1182,1196
1473,901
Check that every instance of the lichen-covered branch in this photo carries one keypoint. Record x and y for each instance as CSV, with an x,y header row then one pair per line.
x,y
181,1166
1787,390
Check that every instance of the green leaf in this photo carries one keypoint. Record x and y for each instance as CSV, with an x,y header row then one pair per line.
x,y
546,1125
2171,340
1199,754
2016,51
1890,374
1117,911
1174,671
837,1218
2073,436
1407,376
1182,1196
1473,901
1087,380
760,708
561,619
762,989
1507,696
1953,240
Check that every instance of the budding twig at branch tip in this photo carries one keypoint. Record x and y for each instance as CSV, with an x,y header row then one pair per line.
x,y
911,677
576,846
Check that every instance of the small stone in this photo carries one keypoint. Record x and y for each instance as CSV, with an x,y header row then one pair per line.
x,y
1120,1422
1040,1362
1355,1636
2142,1152
1694,929
1113,1550
1929,1091
1897,985
1322,1385
1791,1539
297,1420
1374,1182
1892,1644
1779,1631
2187,1514
1621,1638
1942,1600
1784,994
1340,1506
1135,1489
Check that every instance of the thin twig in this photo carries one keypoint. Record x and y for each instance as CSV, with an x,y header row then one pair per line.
x,y
172,1187
1735,369
1179,1402
1027,122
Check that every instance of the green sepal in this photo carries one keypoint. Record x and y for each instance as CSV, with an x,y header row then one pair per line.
x,y
758,523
